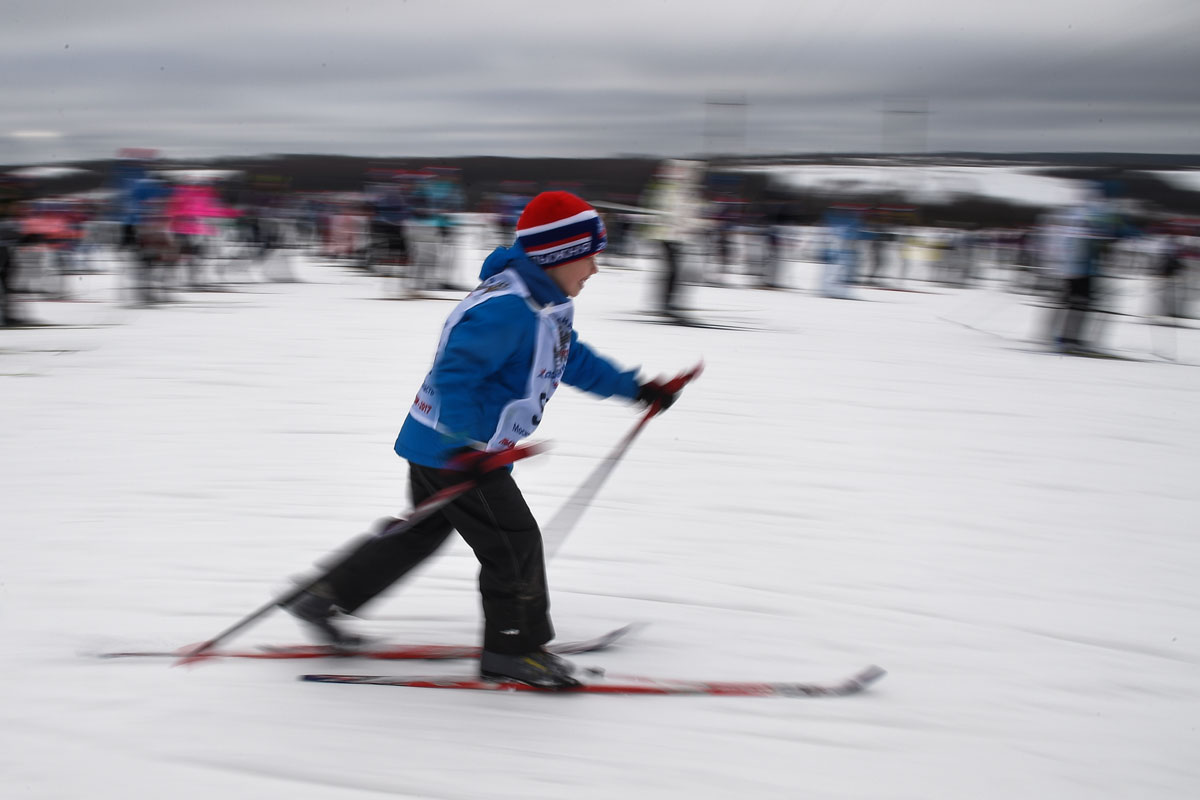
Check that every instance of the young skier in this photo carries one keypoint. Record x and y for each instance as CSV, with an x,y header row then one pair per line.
x,y
502,353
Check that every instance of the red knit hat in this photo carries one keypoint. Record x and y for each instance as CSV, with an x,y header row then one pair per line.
x,y
557,228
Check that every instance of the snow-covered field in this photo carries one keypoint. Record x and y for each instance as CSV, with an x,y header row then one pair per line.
x,y
935,183
897,480
1180,178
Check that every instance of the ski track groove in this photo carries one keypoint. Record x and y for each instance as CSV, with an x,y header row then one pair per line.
x,y
309,778
1115,647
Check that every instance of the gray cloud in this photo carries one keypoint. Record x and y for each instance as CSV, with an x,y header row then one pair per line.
x,y
527,78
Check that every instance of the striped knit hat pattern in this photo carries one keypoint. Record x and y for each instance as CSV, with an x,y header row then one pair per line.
x,y
557,228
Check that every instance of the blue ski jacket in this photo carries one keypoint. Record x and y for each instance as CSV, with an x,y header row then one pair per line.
x,y
486,364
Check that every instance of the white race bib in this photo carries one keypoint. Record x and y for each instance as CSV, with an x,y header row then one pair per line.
x,y
520,417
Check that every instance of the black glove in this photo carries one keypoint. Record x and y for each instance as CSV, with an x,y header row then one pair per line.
x,y
656,392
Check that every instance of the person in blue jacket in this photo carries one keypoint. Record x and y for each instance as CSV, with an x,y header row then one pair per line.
x,y
503,352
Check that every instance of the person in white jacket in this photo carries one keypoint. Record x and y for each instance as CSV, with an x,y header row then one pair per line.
x,y
1073,243
676,201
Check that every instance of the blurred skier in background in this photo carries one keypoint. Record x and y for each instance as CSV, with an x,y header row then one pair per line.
x,y
1075,240
676,201
388,254
844,228
1170,270
138,198
443,201
10,197
191,209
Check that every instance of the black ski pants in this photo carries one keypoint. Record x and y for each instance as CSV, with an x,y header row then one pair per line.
x,y
668,299
1076,306
495,521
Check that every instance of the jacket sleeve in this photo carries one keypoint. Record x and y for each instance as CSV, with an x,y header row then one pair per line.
x,y
595,374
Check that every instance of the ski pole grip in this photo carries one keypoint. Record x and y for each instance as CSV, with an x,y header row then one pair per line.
x,y
675,386
477,463
505,458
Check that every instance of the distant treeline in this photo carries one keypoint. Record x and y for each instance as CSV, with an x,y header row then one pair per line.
x,y
623,179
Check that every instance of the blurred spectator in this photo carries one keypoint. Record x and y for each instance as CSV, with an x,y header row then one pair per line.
x,y
346,229
156,255
845,232
1026,272
1075,239
674,198
1171,274
390,213
269,219
441,199
10,197
724,215
875,249
191,208
509,203
138,199
772,240
48,232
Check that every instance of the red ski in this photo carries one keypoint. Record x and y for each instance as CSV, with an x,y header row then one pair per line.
x,y
382,652
629,684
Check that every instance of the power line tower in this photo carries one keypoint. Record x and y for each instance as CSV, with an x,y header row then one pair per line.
x,y
905,125
725,124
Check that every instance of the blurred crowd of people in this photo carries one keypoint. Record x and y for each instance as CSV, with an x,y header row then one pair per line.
x,y
170,230
177,230
1062,260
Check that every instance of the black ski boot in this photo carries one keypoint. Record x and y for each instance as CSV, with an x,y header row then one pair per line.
x,y
539,668
320,615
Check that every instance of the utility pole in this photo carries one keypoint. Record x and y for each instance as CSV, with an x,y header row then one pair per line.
x,y
905,125
725,124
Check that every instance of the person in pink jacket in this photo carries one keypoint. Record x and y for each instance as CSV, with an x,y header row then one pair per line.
x,y
189,211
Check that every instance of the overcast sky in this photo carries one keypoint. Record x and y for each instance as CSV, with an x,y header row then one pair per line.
x,y
569,78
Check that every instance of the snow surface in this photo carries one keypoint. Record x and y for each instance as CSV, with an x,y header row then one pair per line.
x,y
896,480
1180,178
934,182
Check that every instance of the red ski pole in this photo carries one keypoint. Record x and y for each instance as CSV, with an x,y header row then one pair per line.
x,y
564,521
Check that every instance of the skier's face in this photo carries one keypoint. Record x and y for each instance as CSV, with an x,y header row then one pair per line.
x,y
571,277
